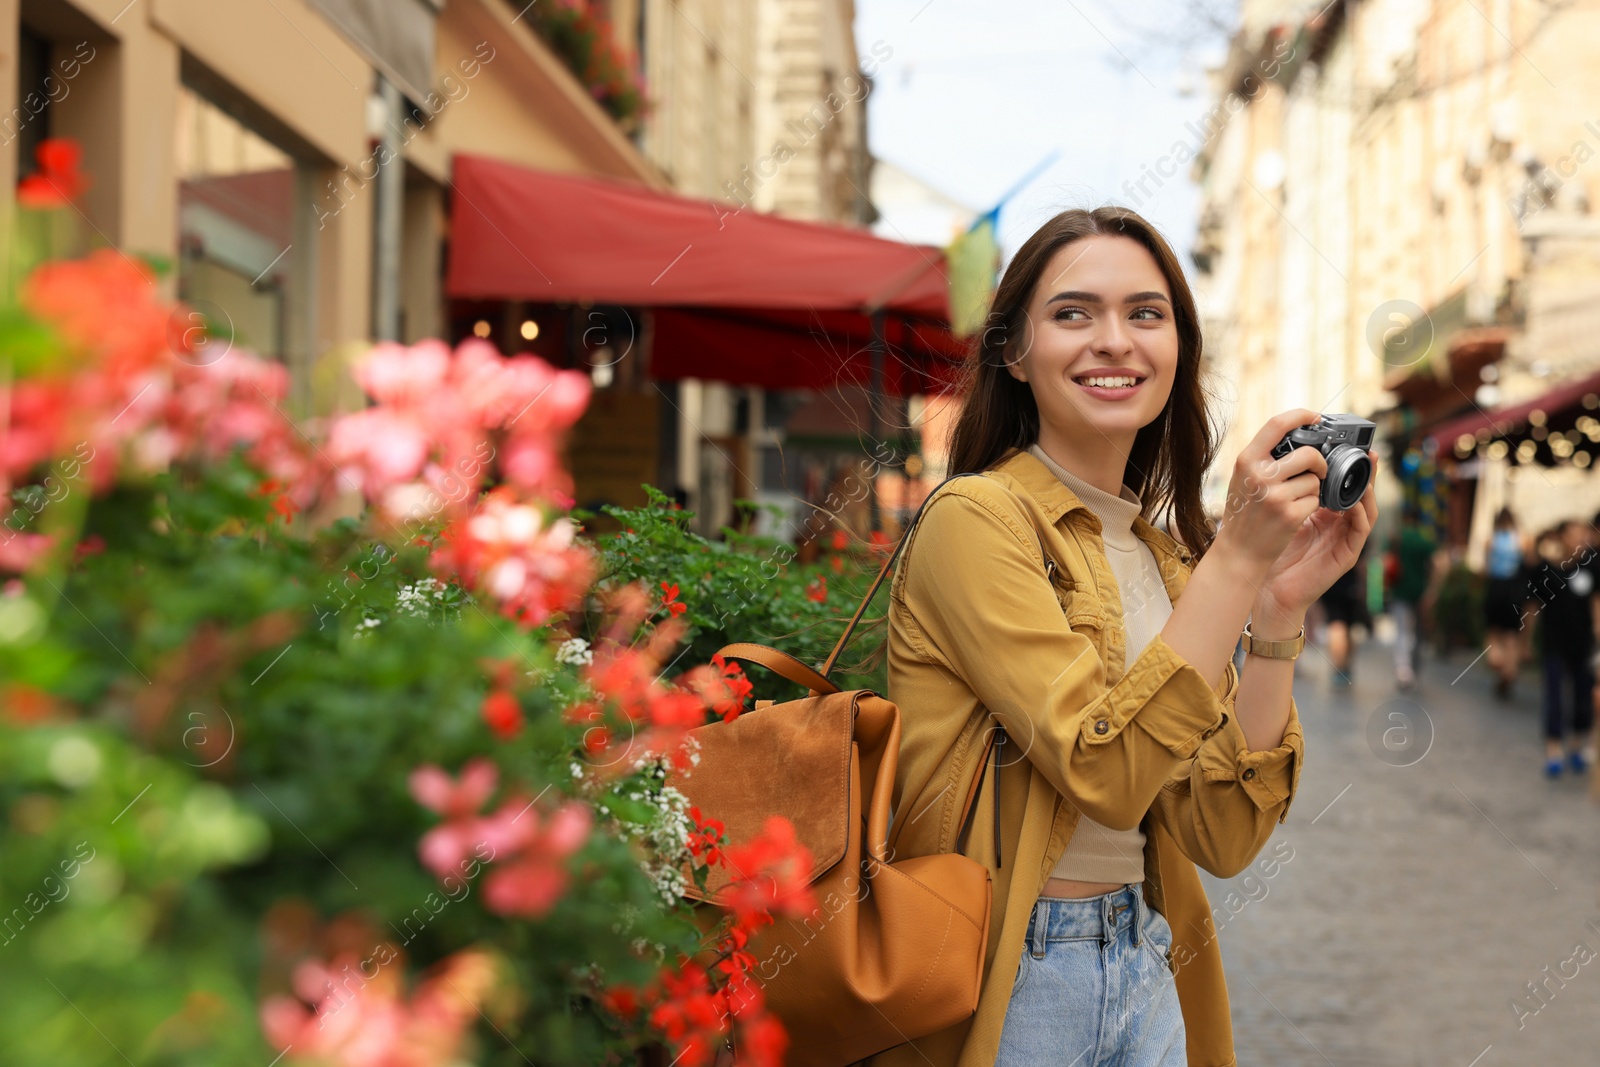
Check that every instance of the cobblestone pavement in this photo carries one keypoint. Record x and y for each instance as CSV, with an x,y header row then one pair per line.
x,y
1429,884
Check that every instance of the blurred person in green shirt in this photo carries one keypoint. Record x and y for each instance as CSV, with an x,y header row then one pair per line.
x,y
1415,549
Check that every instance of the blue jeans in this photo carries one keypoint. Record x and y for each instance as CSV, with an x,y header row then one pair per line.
x,y
1564,674
1093,988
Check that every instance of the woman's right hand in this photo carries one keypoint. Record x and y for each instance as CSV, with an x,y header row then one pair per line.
x,y
1270,499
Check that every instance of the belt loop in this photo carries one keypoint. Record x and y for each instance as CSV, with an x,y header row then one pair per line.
x,y
1108,917
1139,914
1041,927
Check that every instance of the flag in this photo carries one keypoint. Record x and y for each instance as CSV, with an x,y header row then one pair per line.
x,y
974,260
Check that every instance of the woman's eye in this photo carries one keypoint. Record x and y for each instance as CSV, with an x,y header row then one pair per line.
x,y
1077,314
1148,313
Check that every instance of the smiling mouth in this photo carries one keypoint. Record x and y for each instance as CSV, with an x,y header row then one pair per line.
x,y
1109,381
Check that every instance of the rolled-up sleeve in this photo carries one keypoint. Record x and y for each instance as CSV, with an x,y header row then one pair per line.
x,y
1221,805
973,584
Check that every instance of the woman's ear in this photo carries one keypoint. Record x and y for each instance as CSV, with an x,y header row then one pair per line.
x,y
1014,367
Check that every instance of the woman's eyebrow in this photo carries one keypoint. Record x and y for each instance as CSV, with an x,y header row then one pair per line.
x,y
1095,298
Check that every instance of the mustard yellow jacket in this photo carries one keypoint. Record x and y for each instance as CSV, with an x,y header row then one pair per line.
x,y
1003,608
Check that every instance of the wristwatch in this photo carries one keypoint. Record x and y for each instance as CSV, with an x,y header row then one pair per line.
x,y
1257,646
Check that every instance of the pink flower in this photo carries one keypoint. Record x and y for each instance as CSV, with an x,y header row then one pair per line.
x,y
531,883
380,448
339,1016
20,551
437,791
441,417
529,850
397,375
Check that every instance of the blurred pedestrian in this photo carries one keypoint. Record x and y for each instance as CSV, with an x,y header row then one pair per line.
x,y
1343,606
1565,582
1505,596
1414,559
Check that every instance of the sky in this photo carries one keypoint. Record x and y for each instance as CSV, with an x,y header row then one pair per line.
x,y
971,94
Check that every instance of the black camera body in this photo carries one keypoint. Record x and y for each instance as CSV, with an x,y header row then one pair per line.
x,y
1343,441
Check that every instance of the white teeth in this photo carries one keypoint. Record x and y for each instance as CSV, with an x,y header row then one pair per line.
x,y
1109,383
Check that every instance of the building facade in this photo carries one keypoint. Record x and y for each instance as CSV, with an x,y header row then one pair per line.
x,y
248,144
1396,223
761,105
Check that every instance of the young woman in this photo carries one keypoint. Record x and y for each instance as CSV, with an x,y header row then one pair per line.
x,y
1056,688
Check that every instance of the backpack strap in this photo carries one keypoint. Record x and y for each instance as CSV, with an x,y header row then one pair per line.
x,y
888,565
998,737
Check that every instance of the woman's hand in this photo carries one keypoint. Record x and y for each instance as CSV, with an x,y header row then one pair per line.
x,y
1327,545
1269,499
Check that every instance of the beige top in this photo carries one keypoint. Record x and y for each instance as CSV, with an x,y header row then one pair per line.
x,y
1096,853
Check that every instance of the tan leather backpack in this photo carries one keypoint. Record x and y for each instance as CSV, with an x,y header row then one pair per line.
x,y
895,950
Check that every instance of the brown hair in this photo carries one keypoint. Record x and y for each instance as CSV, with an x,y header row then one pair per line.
x,y
1170,456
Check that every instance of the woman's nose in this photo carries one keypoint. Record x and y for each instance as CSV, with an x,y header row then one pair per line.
x,y
1114,337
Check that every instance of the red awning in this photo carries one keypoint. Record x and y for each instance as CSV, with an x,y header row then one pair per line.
x,y
1508,419
742,297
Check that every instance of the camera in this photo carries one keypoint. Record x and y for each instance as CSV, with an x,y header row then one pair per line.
x,y
1343,441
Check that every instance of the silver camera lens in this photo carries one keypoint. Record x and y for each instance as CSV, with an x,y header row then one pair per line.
x,y
1349,471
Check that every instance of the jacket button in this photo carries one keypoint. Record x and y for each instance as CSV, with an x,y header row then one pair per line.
x,y
1249,773
1101,726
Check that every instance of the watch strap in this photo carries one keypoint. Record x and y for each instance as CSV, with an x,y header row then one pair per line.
x,y
1285,649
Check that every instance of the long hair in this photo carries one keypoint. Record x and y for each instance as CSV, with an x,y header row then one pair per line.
x,y
1170,456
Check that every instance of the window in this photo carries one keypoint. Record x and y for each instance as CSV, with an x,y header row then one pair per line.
x,y
236,224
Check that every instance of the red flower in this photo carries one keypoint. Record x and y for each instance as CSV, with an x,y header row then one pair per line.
x,y
737,684
25,705
621,1000
503,714
818,589
58,181
670,599
841,540
706,837
775,871
762,1041
283,505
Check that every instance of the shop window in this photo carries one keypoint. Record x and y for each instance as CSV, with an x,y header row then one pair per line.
x,y
237,203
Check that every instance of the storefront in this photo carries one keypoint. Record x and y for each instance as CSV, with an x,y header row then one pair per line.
x,y
647,289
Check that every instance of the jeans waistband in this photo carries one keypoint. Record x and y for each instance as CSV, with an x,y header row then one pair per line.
x,y
1103,917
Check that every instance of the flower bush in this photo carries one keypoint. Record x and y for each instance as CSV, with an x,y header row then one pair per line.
x,y
338,742
586,41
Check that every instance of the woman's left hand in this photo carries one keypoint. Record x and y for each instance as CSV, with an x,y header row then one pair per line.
x,y
1327,545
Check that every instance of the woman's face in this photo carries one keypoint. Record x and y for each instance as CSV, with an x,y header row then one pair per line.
x,y
1100,315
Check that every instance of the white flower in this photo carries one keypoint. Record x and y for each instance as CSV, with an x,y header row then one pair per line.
x,y
413,599
575,652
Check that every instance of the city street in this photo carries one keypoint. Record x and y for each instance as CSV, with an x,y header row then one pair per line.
x,y
1428,884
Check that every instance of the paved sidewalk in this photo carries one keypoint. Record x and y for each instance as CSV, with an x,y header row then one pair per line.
x,y
1430,880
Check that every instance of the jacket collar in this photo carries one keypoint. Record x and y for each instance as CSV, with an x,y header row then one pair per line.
x,y
1055,499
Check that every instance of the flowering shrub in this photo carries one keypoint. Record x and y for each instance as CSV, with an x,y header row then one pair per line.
x,y
749,589
587,43
287,784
